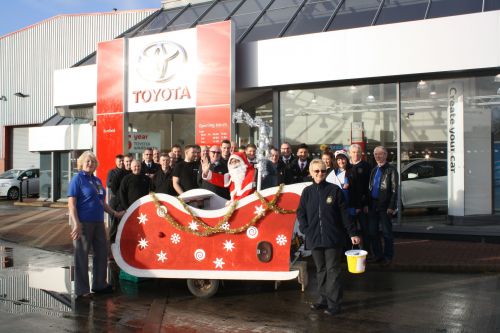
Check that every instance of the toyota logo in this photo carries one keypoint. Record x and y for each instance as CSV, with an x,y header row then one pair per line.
x,y
161,61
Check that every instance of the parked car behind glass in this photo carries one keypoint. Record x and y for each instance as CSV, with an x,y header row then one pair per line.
x,y
9,182
424,183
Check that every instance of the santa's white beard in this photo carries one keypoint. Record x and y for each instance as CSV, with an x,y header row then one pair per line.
x,y
237,175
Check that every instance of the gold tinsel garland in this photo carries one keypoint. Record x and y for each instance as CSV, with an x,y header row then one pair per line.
x,y
218,228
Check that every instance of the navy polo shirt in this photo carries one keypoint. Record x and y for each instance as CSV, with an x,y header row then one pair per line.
x,y
89,194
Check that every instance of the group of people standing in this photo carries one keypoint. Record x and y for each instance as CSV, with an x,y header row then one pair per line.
x,y
347,197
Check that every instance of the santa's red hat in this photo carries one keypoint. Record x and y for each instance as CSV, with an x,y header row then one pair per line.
x,y
242,157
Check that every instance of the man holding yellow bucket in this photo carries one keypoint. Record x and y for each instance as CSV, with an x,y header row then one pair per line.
x,y
323,219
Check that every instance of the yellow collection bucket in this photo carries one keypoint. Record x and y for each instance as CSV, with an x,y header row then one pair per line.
x,y
356,261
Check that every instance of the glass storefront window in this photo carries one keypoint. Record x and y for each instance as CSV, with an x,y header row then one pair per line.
x,y
169,128
337,117
45,175
424,183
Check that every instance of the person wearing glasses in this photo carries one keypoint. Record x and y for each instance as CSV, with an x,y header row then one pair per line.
x,y
286,153
323,219
216,166
148,166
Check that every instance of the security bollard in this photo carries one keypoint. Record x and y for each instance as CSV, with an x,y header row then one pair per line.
x,y
21,190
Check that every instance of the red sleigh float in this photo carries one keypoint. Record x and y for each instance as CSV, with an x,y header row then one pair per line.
x,y
162,236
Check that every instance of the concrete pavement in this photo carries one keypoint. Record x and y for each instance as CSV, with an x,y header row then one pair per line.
x,y
414,294
47,228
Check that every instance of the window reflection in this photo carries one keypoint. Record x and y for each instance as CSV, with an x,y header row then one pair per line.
x,y
355,13
440,8
402,11
335,117
340,116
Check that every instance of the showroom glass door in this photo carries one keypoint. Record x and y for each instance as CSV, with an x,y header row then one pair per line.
x,y
424,184
167,128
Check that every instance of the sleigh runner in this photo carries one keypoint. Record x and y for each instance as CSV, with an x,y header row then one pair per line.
x,y
162,236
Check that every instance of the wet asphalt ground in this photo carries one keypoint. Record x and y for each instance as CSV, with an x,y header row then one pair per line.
x,y
35,297
36,284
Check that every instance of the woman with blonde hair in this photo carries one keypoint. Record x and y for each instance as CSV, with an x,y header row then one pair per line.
x,y
86,211
323,220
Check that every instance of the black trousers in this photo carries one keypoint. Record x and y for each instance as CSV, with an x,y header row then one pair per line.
x,y
328,268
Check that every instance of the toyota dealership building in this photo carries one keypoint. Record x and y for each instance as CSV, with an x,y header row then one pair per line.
x,y
421,77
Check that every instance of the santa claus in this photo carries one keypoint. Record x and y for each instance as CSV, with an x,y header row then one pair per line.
x,y
240,177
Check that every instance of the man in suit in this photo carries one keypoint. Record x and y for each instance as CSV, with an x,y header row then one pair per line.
x,y
297,171
148,166
286,153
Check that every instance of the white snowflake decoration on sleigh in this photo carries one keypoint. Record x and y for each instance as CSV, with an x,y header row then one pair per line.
x,y
260,211
175,238
162,256
142,218
225,226
281,240
219,262
229,245
143,243
193,225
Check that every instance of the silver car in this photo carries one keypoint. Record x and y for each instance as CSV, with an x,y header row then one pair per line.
x,y
11,179
424,184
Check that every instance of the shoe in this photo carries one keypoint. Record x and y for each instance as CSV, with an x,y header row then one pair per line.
x,y
386,262
83,297
107,290
374,260
332,311
318,306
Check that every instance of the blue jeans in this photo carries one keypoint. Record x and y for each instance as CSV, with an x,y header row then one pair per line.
x,y
376,218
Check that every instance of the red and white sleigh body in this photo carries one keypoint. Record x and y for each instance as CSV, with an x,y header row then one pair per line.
x,y
160,236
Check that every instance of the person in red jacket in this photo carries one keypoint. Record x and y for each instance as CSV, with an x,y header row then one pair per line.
x,y
240,177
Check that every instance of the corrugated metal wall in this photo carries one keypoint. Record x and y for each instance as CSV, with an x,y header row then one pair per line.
x,y
29,57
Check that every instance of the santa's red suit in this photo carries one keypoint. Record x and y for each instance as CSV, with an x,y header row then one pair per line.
x,y
236,189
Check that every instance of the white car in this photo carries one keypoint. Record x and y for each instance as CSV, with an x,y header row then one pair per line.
x,y
10,181
424,184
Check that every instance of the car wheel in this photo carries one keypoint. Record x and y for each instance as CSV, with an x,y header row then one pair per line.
x,y
13,193
203,288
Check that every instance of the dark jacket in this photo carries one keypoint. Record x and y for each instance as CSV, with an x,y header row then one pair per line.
x,y
221,169
277,173
360,179
145,169
162,182
113,182
293,174
323,217
388,189
132,188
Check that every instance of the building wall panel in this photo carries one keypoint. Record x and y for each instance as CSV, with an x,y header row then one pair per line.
x,y
30,56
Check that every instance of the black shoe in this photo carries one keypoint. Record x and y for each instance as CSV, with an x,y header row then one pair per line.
x,y
84,297
107,290
374,260
319,306
332,311
386,262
